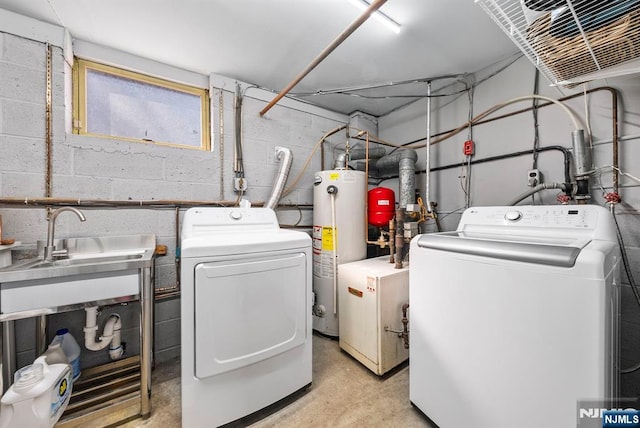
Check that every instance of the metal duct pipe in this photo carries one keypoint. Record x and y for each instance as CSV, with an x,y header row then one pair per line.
x,y
405,161
374,153
581,153
407,181
358,154
284,155
361,164
399,244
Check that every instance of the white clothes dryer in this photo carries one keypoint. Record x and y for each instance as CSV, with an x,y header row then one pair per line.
x,y
514,317
246,313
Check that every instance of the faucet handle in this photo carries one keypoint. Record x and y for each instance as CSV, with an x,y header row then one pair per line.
x,y
60,254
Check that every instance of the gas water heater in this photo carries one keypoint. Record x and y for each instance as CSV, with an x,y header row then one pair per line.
x,y
339,236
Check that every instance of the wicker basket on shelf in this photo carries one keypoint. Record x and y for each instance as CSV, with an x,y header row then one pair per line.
x,y
569,57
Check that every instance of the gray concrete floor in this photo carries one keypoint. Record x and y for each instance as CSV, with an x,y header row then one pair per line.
x,y
344,393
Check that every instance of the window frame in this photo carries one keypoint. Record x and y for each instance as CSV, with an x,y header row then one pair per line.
x,y
79,127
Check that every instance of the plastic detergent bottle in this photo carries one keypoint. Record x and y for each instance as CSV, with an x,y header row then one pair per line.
x,y
70,348
38,396
55,355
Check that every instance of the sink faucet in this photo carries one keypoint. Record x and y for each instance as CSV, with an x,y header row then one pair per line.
x,y
49,249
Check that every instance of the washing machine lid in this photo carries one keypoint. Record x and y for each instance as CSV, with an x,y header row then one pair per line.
x,y
551,251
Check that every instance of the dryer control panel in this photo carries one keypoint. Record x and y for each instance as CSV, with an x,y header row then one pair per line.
x,y
208,220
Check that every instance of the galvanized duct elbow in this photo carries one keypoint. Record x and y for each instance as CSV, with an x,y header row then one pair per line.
x,y
402,161
356,155
285,157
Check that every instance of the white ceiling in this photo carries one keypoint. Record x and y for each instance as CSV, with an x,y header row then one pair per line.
x,y
269,42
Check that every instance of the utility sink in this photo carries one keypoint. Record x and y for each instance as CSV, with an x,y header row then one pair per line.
x,y
101,269
74,260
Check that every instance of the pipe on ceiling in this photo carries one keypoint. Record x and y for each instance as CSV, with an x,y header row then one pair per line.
x,y
375,5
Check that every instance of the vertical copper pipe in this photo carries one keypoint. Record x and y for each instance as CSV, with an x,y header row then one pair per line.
x,y
334,44
399,237
405,326
392,239
614,138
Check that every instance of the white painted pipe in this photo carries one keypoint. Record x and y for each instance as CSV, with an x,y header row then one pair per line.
x,y
427,157
111,333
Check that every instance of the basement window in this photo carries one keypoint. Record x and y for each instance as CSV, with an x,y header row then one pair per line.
x,y
116,103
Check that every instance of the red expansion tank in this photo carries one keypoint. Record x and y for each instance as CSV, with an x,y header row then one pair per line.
x,y
382,206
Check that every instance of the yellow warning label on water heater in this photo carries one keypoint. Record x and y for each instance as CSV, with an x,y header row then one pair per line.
x,y
327,238
334,176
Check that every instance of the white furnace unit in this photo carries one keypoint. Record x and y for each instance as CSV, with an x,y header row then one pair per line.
x,y
515,316
372,295
246,313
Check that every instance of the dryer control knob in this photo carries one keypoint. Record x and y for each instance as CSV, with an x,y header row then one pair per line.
x,y
513,215
235,215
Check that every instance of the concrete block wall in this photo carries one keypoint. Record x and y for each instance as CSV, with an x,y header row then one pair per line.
x,y
497,183
96,168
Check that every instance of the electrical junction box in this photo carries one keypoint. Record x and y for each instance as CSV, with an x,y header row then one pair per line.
x,y
239,184
370,298
534,177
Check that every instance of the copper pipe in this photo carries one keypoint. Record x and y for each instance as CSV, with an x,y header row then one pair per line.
x,y
405,326
103,203
28,202
178,248
375,5
399,238
377,140
614,137
392,238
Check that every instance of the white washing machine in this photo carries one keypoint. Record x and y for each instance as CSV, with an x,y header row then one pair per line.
x,y
246,313
514,317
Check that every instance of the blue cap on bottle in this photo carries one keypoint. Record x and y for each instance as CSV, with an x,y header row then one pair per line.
x,y
62,331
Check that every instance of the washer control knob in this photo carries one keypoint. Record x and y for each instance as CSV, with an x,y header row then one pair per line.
x,y
513,215
235,215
